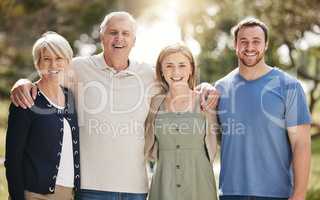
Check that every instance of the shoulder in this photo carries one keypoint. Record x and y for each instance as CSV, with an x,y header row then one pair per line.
x,y
143,68
288,80
80,60
15,111
86,61
156,102
227,80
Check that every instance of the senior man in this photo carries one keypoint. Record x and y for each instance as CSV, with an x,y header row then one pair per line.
x,y
112,95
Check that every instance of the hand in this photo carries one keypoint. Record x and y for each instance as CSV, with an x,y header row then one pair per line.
x,y
20,93
209,96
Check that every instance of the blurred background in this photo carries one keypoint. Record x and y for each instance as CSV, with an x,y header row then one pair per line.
x,y
204,25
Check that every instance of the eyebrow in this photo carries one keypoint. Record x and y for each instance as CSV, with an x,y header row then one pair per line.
x,y
168,63
255,38
116,30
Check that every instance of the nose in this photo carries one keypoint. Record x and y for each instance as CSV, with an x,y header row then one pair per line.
x,y
250,46
119,37
176,70
54,63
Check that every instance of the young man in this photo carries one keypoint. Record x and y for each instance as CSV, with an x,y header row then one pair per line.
x,y
113,96
265,123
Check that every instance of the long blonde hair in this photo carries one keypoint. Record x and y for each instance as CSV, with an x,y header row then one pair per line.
x,y
171,49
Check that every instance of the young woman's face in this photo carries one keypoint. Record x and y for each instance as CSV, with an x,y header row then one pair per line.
x,y
176,69
50,64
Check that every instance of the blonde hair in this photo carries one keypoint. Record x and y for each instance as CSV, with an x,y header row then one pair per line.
x,y
108,17
171,49
54,42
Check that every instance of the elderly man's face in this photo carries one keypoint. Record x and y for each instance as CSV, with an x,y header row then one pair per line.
x,y
118,38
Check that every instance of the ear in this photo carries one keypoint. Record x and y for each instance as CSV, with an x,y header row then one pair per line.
x,y
234,44
266,47
134,40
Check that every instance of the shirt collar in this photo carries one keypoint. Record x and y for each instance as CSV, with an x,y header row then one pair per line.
x,y
101,64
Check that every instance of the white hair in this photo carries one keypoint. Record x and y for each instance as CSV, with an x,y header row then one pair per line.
x,y
107,18
53,42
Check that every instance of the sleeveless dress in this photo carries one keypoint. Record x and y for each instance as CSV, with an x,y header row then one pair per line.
x,y
183,170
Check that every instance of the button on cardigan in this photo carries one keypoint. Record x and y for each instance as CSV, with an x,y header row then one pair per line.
x,y
34,143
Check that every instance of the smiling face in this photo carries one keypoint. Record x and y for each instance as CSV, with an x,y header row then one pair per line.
x,y
51,64
250,46
118,38
176,69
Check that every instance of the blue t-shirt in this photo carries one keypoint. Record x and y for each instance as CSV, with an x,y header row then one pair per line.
x,y
255,150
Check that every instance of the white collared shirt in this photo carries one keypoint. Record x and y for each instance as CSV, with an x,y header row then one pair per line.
x,y
112,107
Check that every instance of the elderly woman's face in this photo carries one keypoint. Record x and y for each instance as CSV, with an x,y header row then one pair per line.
x,y
51,64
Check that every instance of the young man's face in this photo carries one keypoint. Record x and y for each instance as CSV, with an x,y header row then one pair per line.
x,y
250,46
118,38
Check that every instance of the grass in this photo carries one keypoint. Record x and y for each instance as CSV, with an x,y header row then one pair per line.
x,y
3,123
315,165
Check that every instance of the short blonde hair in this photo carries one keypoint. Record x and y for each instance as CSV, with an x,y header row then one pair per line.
x,y
171,49
53,42
108,17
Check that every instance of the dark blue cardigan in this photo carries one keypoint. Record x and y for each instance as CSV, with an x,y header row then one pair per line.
x,y
33,146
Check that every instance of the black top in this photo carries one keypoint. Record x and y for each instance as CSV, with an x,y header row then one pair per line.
x,y
34,144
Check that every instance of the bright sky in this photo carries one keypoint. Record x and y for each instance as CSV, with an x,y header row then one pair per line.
x,y
162,30
157,27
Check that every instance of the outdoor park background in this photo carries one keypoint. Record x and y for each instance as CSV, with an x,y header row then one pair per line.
x,y
203,24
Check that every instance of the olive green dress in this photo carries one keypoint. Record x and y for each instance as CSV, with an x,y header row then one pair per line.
x,y
183,169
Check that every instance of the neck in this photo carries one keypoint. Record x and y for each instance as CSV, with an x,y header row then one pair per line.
x,y
51,88
118,63
181,90
254,72
180,99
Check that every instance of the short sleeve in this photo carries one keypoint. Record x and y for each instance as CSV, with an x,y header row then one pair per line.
x,y
297,111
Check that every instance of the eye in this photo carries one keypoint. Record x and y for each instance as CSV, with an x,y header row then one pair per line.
x,y
113,33
126,33
182,65
256,42
169,66
243,42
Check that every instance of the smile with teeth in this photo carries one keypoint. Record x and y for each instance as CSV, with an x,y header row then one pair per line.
x,y
53,71
118,46
250,54
176,79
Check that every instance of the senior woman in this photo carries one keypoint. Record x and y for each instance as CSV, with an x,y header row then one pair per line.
x,y
42,142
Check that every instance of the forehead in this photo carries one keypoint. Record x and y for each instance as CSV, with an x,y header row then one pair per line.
x,y
250,32
175,57
48,52
120,23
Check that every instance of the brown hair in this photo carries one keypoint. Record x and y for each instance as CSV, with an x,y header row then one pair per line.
x,y
249,22
171,49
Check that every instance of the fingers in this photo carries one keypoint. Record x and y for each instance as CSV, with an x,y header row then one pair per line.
x,y
27,98
14,100
34,92
212,100
198,88
204,93
20,96
21,102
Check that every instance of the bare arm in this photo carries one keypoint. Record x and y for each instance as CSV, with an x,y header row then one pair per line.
x,y
300,141
211,133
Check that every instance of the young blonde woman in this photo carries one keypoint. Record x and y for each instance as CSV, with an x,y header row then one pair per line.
x,y
42,144
180,137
